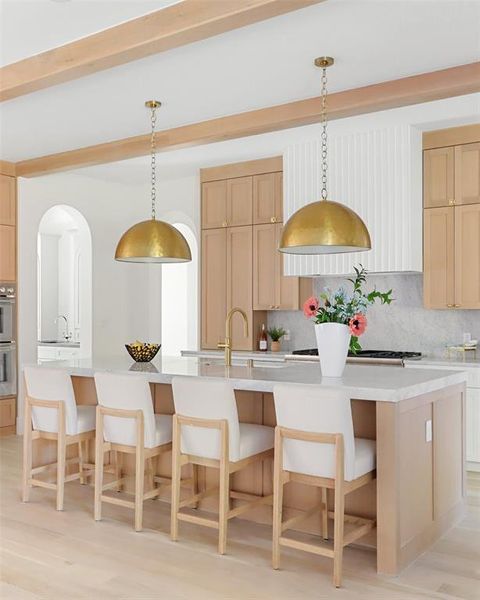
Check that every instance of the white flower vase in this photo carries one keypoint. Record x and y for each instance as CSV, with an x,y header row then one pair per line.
x,y
333,341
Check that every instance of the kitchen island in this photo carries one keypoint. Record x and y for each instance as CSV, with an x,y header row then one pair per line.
x,y
415,416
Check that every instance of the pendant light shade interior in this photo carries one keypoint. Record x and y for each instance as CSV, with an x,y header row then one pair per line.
x,y
153,241
324,227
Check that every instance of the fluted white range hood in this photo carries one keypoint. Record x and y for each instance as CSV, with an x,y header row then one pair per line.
x,y
377,173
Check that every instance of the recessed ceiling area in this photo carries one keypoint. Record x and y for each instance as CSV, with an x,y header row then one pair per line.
x,y
256,66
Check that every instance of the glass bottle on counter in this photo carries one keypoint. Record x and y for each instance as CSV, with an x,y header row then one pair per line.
x,y
262,342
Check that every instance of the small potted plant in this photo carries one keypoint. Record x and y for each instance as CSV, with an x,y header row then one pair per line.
x,y
276,334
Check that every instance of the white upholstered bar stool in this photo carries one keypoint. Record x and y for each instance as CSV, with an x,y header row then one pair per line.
x,y
315,445
51,410
126,423
206,432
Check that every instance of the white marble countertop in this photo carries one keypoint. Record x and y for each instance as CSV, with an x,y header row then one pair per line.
x,y
457,359
377,383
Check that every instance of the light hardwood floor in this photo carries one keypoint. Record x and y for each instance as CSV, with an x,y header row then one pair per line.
x,y
65,555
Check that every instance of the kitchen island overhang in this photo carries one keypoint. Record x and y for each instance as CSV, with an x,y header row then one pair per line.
x,y
420,488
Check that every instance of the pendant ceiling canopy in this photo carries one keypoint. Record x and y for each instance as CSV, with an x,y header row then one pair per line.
x,y
324,227
153,241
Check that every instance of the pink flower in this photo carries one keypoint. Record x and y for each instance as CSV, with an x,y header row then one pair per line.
x,y
310,307
357,324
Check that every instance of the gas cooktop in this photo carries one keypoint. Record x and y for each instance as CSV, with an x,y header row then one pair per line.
x,y
377,354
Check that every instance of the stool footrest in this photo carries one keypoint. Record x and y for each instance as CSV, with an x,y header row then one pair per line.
x,y
313,549
198,497
117,501
239,510
43,484
197,520
289,523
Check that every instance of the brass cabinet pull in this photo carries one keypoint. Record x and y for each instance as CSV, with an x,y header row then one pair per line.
x,y
271,306
450,305
456,305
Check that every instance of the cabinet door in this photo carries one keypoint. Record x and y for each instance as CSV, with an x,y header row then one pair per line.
x,y
267,198
7,253
7,412
472,419
214,286
265,267
287,287
7,200
467,174
239,283
438,177
240,201
214,204
467,256
439,258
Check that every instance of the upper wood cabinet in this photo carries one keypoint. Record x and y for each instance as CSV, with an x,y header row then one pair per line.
x,y
268,198
227,203
214,286
8,205
467,174
438,177
439,257
452,226
467,256
239,284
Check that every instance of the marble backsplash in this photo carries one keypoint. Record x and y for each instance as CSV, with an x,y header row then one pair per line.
x,y
403,325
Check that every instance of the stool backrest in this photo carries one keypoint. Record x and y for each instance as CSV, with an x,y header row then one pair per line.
x,y
315,409
51,385
206,399
126,392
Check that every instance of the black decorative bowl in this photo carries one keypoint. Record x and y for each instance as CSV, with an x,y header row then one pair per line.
x,y
142,352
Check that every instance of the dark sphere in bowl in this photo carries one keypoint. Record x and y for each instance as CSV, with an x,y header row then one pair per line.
x,y
143,352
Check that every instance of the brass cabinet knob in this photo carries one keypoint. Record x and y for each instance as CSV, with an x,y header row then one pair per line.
x,y
224,224
451,202
272,306
273,220
456,305
450,305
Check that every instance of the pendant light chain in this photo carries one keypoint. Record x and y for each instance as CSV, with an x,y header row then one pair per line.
x,y
323,121
153,162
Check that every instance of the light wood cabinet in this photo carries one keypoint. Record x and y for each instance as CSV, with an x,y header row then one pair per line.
x,y
268,198
239,283
467,174
467,256
214,286
452,227
8,205
438,177
7,253
271,289
239,201
439,241
7,412
227,203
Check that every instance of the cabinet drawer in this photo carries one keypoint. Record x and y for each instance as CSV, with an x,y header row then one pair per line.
x,y
7,412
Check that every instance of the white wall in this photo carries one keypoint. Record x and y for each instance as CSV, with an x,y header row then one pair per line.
x,y
48,252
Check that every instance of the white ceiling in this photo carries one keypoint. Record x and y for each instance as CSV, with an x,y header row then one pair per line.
x,y
260,65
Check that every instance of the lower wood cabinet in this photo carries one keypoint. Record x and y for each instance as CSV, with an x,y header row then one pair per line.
x,y
7,412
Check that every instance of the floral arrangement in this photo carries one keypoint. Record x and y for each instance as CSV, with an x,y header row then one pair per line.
x,y
349,309
276,333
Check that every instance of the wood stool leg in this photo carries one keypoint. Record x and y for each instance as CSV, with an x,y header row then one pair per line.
x,y
194,483
98,466
325,513
277,499
118,458
176,474
150,473
339,510
81,460
139,485
61,456
27,452
224,495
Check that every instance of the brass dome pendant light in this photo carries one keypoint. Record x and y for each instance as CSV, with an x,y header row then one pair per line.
x,y
153,241
324,227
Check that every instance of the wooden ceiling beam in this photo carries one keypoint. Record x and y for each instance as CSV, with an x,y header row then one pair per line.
x,y
177,25
455,81
7,168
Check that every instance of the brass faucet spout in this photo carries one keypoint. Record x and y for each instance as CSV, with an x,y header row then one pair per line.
x,y
227,344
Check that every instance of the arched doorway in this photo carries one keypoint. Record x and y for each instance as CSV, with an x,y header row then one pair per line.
x,y
64,281
180,301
